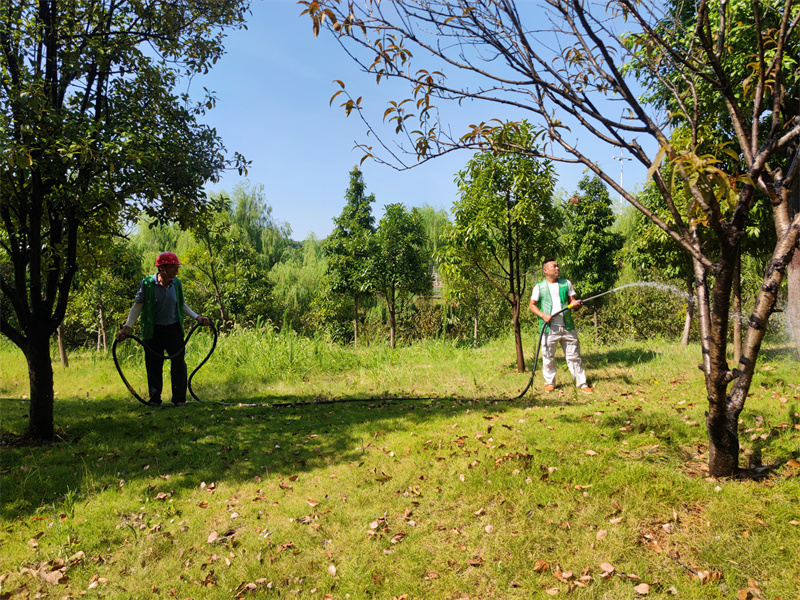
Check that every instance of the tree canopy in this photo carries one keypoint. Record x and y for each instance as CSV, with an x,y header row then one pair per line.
x,y
94,130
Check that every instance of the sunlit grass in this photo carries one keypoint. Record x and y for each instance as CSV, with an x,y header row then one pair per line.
x,y
430,483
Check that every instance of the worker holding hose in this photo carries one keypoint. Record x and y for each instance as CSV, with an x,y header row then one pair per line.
x,y
159,300
551,301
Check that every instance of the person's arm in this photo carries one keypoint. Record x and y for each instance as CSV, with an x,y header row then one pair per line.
x,y
199,318
134,313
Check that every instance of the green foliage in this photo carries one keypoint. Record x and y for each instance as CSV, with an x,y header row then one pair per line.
x,y
349,246
504,219
399,267
590,246
348,251
94,131
504,224
102,293
296,281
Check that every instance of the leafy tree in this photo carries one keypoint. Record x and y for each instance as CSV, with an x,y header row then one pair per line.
x,y
103,290
590,247
578,76
92,131
350,246
399,265
505,222
651,252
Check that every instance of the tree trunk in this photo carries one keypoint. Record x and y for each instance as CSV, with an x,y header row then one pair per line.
x,y
517,334
62,350
355,320
475,328
40,372
737,309
390,303
723,435
793,299
687,324
101,335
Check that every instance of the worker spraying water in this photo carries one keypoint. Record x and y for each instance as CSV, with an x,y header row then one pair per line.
x,y
552,300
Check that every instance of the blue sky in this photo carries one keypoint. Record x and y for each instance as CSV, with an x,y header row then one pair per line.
x,y
273,89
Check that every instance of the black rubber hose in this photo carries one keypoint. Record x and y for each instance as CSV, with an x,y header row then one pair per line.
x,y
178,354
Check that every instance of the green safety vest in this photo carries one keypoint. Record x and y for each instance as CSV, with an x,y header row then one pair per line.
x,y
149,309
545,303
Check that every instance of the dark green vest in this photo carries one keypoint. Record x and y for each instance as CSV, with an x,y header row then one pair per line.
x,y
149,309
545,303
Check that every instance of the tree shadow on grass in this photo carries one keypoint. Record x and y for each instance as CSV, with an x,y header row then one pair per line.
x,y
109,442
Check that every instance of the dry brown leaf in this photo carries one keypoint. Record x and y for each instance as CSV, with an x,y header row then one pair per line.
x,y
642,589
591,453
615,521
332,570
552,591
794,463
541,566
431,575
607,567
202,504
211,537
601,534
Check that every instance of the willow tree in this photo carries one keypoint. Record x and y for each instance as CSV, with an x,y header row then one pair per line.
x,y
93,132
571,67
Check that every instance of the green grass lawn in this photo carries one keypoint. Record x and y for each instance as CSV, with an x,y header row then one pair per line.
x,y
436,485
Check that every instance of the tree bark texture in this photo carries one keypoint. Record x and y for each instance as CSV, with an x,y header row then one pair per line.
x,y
62,349
355,320
687,324
40,372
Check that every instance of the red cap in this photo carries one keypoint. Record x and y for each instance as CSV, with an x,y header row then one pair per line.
x,y
167,258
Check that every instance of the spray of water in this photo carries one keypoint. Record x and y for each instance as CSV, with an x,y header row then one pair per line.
x,y
651,284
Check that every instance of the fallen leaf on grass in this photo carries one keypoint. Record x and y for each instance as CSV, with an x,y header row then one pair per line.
x,y
794,463
211,537
552,591
332,570
606,568
431,575
616,521
202,504
541,566
562,576
601,534
591,453
708,576
642,589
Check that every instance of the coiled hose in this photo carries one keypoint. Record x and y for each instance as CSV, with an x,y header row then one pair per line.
x,y
178,354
